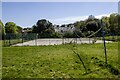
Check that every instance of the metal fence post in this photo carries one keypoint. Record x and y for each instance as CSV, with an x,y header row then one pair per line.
x,y
104,42
62,40
22,38
9,41
76,40
4,40
36,39
89,40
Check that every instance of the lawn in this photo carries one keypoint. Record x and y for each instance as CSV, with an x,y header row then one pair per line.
x,y
59,61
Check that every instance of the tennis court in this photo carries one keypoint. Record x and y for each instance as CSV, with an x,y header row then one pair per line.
x,y
58,41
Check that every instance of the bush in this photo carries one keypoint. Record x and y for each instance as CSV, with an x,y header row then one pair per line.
x,y
68,34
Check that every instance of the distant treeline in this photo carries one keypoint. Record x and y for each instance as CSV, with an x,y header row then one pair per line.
x,y
45,28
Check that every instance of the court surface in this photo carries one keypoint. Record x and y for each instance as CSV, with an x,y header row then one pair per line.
x,y
57,41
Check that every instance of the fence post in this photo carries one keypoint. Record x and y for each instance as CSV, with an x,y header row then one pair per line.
x,y
22,38
62,40
76,40
104,42
49,41
4,40
9,41
36,36
89,40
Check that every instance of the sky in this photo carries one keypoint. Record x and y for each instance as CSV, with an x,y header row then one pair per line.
x,y
59,0
26,14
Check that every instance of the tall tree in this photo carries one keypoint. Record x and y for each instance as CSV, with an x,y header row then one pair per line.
x,y
10,27
2,29
113,20
106,24
44,28
92,24
19,29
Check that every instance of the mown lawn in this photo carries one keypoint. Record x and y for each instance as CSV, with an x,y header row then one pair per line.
x,y
59,61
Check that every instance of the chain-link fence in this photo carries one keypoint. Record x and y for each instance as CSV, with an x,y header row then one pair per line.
x,y
33,39
11,39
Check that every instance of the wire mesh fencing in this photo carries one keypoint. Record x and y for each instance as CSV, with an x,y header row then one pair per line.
x,y
33,39
12,39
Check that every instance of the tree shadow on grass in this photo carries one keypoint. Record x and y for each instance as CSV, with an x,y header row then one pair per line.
x,y
102,64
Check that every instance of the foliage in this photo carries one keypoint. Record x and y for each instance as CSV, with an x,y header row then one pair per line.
x,y
106,24
114,23
44,28
56,35
111,25
87,26
68,34
92,25
10,27
19,29
2,29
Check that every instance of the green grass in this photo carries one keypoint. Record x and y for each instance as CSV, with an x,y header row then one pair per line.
x,y
0,58
59,61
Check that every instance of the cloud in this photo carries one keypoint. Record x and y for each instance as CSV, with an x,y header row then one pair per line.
x,y
73,19
68,19
100,16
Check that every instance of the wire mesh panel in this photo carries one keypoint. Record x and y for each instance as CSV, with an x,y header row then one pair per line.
x,y
10,39
34,39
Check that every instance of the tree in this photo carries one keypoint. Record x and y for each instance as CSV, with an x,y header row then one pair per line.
x,y
44,28
92,26
79,25
68,34
10,27
113,20
118,30
2,29
106,24
19,29
34,29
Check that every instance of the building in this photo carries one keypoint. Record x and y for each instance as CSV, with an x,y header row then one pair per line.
x,y
64,28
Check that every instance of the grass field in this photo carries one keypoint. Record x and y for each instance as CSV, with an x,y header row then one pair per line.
x,y
59,61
